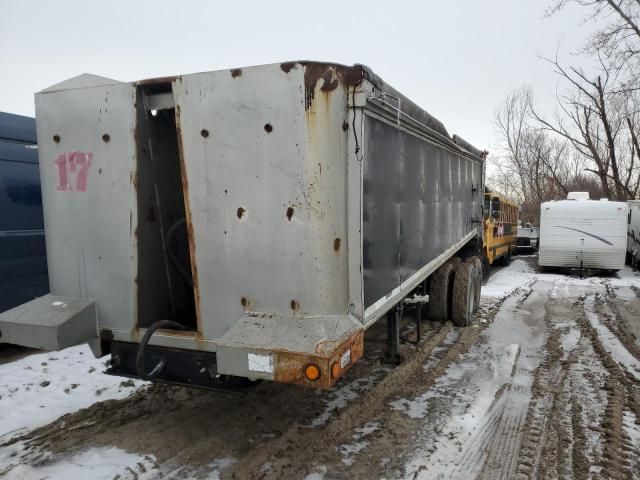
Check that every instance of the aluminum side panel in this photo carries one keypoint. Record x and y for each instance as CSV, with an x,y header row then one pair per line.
x,y
90,211
418,201
267,193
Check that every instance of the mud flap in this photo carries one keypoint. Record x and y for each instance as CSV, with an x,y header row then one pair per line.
x,y
49,323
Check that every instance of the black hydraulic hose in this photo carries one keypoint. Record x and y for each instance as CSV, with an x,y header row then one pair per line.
x,y
143,343
172,256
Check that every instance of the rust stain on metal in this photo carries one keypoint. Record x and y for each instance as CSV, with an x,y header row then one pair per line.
x,y
336,244
289,366
290,211
247,304
331,75
236,72
286,67
295,305
240,212
189,221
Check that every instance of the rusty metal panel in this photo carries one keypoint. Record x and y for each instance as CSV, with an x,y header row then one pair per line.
x,y
267,191
86,146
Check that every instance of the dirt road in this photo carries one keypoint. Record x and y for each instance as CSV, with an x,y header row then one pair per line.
x,y
546,384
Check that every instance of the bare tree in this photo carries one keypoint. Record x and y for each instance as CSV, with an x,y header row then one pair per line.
x,y
600,122
618,40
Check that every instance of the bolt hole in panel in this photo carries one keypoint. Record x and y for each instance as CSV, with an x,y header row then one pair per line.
x,y
267,193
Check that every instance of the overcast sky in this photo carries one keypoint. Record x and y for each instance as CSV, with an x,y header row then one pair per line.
x,y
457,59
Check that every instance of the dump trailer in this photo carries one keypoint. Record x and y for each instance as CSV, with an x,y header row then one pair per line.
x,y
250,223
582,233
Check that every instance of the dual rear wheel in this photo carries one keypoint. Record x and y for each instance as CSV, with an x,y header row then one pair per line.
x,y
455,291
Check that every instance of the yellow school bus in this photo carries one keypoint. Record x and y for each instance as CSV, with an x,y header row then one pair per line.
x,y
500,228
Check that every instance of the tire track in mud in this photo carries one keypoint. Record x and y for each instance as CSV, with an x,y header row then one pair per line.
x,y
615,313
488,449
557,423
547,433
619,460
289,455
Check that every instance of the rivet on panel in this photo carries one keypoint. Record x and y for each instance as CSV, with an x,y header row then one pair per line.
x,y
106,137
56,138
204,132
240,212
268,127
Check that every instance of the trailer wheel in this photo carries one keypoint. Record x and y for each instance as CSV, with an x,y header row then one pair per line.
x,y
478,275
439,298
464,297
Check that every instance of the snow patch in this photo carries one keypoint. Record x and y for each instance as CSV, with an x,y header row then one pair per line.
x,y
95,463
37,389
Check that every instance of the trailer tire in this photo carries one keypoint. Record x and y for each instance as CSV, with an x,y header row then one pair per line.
x,y
463,299
439,298
478,276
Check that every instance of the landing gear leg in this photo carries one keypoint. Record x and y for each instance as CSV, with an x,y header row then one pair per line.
x,y
392,354
419,316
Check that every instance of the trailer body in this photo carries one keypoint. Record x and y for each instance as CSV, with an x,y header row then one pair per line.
x,y
583,233
275,211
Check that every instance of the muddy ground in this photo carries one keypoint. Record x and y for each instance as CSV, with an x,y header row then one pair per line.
x,y
545,384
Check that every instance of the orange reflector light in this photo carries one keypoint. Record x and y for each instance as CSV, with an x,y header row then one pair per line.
x,y
335,370
312,372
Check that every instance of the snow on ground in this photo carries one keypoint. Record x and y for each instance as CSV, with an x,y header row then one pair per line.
x,y
37,389
99,463
503,282
94,463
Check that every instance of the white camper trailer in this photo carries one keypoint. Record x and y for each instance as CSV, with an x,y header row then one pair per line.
x,y
633,233
583,233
